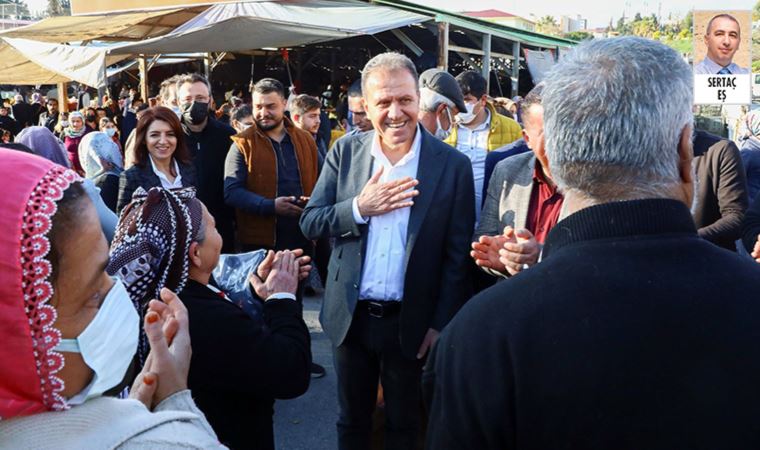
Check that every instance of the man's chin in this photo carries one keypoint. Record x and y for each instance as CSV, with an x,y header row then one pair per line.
x,y
269,126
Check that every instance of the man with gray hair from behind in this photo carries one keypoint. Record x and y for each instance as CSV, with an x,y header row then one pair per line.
x,y
625,335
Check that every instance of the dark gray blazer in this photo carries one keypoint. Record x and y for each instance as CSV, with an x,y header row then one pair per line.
x,y
441,221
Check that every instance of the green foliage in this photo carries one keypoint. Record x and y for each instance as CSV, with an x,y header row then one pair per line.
x,y
548,25
578,35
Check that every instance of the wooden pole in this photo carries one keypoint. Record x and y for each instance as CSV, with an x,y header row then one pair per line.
x,y
443,45
143,78
63,97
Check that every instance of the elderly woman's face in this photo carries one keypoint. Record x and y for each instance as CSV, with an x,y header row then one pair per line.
x,y
211,247
160,140
76,123
80,285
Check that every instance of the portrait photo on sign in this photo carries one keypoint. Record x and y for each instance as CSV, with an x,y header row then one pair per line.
x,y
722,42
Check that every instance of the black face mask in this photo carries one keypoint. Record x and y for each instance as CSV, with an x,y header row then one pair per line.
x,y
90,118
194,113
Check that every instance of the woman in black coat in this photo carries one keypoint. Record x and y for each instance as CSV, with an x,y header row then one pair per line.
x,y
161,157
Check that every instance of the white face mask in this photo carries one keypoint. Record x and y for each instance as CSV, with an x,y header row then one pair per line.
x,y
108,343
111,132
176,110
467,117
440,133
64,123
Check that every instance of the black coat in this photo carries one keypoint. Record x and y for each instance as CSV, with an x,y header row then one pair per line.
x,y
632,333
209,151
239,367
108,184
144,177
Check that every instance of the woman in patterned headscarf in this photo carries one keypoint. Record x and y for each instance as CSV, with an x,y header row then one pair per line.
x,y
167,238
69,331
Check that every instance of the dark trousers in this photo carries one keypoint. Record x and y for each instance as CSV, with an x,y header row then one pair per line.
x,y
372,351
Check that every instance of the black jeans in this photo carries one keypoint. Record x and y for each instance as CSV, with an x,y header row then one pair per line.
x,y
372,351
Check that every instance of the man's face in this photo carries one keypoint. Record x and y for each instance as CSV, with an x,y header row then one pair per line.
x,y
359,116
308,121
3,112
52,106
190,92
533,133
722,40
443,115
478,104
392,103
268,110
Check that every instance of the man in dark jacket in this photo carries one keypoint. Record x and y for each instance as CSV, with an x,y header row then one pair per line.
x,y
625,335
208,142
721,190
241,364
22,112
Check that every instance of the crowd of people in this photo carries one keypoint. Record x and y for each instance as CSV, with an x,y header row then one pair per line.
x,y
575,268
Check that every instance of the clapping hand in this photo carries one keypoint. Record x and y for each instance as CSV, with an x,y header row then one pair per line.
x,y
283,275
168,363
520,250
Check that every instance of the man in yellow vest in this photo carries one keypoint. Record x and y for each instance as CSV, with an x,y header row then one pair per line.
x,y
480,129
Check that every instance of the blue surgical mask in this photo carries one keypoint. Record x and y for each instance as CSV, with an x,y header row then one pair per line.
x,y
108,343
111,132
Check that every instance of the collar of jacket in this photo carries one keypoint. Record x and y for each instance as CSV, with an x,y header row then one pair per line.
x,y
649,217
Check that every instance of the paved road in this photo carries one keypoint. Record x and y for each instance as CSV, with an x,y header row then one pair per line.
x,y
308,422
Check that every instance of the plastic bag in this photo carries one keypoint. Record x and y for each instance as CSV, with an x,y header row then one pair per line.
x,y
231,275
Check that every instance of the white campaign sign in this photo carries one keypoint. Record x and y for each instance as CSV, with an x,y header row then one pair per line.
x,y
722,89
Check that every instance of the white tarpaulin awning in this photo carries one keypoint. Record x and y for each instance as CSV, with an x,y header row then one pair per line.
x,y
539,63
252,25
26,62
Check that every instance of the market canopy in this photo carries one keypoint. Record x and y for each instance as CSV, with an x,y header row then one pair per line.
x,y
245,26
25,62
105,27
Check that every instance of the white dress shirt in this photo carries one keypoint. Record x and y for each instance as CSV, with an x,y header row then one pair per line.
x,y
474,144
165,183
384,262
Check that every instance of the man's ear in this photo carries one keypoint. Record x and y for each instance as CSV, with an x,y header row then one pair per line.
x,y
686,155
296,118
194,254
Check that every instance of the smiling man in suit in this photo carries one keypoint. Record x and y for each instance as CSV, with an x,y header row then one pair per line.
x,y
399,203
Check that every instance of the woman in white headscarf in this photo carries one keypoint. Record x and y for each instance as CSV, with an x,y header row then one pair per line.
x,y
102,163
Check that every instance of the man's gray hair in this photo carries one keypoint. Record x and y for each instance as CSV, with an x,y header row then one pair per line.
x,y
430,100
389,61
614,110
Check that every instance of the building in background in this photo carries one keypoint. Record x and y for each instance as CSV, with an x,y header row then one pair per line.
x,y
502,18
568,24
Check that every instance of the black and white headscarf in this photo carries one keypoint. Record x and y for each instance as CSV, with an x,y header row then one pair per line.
x,y
150,247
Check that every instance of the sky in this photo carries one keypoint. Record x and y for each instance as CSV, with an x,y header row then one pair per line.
x,y
597,12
